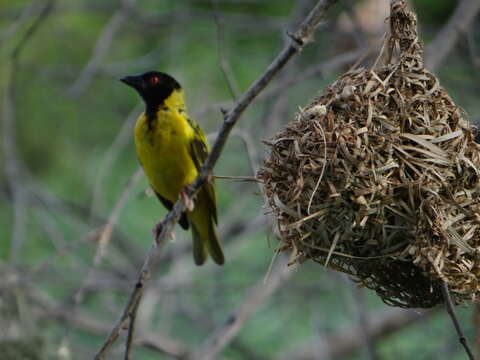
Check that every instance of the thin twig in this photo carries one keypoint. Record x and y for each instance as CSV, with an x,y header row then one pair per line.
x,y
101,48
278,105
256,296
327,67
103,239
302,37
345,342
27,12
240,21
358,32
90,322
476,326
105,166
238,178
447,37
224,64
105,233
363,320
472,48
130,335
13,166
451,312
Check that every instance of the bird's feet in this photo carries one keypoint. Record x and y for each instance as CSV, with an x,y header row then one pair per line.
x,y
157,231
189,204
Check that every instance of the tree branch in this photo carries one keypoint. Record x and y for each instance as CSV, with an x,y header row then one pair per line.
x,y
346,342
446,38
225,333
451,312
302,37
13,166
101,48
224,64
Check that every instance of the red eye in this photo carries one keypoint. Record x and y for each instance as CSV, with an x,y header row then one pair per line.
x,y
154,80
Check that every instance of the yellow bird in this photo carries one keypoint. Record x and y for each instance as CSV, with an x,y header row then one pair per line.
x,y
172,148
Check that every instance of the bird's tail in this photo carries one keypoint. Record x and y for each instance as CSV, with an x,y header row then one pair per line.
x,y
205,244
205,239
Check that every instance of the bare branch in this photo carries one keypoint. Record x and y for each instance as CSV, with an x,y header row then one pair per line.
x,y
476,326
130,335
302,37
325,67
103,239
451,312
251,22
105,234
225,333
224,64
472,48
28,11
105,166
350,340
13,166
101,48
446,38
91,323
363,320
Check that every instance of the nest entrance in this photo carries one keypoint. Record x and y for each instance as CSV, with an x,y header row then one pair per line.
x,y
379,178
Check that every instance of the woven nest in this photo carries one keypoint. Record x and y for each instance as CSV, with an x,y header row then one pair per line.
x,y
379,178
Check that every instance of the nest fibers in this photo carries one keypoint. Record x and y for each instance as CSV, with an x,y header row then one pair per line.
x,y
379,178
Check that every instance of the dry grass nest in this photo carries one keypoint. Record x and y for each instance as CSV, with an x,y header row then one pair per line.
x,y
379,178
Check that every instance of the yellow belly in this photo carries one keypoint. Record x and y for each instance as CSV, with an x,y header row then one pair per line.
x,y
163,151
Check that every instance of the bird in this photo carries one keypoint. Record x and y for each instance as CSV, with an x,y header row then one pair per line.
x,y
171,148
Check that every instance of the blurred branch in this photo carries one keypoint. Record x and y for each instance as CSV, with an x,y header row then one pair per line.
x,y
224,64
91,323
204,320
320,69
101,48
105,166
250,22
13,164
103,237
53,205
350,340
363,320
105,234
459,22
277,106
451,312
120,68
299,39
323,69
358,33
476,326
472,47
29,11
255,296
182,271
249,144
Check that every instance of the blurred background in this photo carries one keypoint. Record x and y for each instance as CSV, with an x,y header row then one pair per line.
x,y
76,216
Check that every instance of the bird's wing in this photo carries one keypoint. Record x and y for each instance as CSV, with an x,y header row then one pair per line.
x,y
169,205
199,152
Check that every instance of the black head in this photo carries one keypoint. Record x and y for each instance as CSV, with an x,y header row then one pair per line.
x,y
153,86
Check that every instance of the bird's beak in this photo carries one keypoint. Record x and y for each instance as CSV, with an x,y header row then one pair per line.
x,y
134,81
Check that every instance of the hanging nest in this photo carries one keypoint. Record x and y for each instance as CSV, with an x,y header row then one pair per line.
x,y
379,178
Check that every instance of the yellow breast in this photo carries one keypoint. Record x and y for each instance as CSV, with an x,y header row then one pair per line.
x,y
163,148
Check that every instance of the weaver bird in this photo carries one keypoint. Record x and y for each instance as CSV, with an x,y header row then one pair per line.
x,y
172,148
